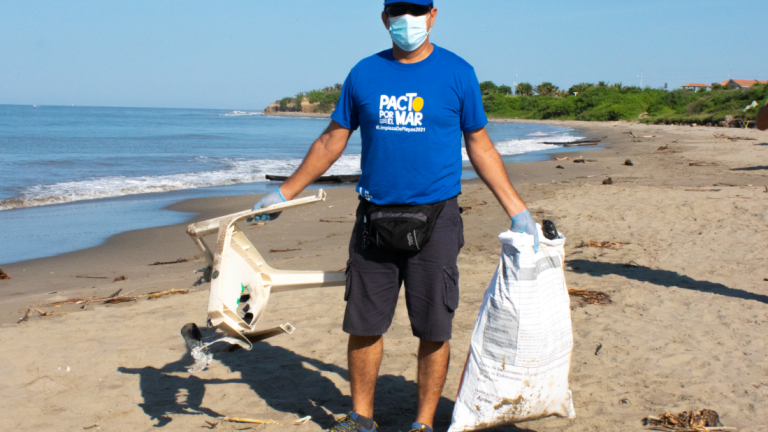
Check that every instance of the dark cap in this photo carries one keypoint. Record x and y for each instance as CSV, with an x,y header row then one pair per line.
x,y
418,2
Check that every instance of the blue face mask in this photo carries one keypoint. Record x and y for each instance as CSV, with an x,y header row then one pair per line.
x,y
408,32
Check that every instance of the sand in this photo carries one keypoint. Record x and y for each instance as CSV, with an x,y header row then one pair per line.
x,y
685,330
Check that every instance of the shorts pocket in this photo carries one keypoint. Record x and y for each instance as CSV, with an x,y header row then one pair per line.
x,y
348,276
451,298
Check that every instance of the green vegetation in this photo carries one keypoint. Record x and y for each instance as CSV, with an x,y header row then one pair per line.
x,y
591,102
325,100
524,89
604,102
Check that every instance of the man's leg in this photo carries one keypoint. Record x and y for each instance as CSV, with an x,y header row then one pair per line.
x,y
364,355
433,367
432,295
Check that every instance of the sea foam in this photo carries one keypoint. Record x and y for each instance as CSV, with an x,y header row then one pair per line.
x,y
237,171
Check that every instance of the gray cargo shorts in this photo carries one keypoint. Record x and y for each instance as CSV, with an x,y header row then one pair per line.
x,y
430,276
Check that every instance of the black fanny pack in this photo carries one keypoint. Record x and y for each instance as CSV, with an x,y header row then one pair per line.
x,y
399,227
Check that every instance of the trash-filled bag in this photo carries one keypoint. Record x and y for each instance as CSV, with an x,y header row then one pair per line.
x,y
520,353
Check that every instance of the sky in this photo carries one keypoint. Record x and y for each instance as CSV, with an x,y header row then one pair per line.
x,y
245,54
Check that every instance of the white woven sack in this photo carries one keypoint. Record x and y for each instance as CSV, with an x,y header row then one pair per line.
x,y
520,354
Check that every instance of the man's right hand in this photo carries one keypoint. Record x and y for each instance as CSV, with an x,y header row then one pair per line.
x,y
275,197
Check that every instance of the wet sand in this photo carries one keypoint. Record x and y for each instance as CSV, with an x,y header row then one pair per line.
x,y
685,329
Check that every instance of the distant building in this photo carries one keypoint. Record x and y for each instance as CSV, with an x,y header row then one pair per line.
x,y
739,83
696,87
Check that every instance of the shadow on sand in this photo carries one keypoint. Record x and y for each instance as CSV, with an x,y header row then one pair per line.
x,y
662,277
288,383
754,168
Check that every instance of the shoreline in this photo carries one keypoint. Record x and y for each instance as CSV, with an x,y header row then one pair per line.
x,y
685,275
95,214
298,114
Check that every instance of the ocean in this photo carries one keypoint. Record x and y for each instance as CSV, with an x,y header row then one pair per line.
x,y
70,177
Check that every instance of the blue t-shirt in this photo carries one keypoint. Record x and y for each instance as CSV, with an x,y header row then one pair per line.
x,y
411,118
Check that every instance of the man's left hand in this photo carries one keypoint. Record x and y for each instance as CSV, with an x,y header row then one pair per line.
x,y
523,223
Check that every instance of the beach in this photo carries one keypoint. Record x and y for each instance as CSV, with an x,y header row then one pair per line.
x,y
683,261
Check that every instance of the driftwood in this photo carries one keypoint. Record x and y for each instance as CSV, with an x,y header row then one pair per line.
x,y
178,261
724,136
701,421
579,143
117,298
4,275
26,316
300,421
324,179
603,244
584,142
591,297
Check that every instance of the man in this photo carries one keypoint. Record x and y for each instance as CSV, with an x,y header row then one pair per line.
x,y
413,103
762,117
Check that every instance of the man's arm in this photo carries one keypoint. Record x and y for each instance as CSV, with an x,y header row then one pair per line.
x,y
324,152
490,168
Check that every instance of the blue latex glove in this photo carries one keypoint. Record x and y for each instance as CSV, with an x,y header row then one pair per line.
x,y
523,223
275,197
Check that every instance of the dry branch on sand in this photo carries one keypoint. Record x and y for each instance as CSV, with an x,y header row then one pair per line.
x,y
701,421
724,136
117,298
178,261
28,314
298,422
602,244
591,297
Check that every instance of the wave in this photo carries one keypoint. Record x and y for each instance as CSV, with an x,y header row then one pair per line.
x,y
237,171
242,113
519,146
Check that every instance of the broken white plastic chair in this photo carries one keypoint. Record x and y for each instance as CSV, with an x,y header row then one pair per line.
x,y
241,280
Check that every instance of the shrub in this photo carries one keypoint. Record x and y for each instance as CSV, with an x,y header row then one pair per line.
x,y
524,89
546,89
488,87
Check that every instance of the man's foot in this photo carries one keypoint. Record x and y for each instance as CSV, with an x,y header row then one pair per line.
x,y
420,427
351,423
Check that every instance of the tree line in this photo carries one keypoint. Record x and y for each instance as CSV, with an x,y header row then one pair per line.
x,y
611,102
590,102
325,98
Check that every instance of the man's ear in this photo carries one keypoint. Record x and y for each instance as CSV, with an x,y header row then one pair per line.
x,y
385,20
431,19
